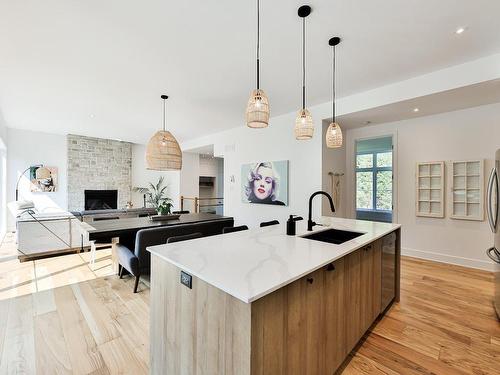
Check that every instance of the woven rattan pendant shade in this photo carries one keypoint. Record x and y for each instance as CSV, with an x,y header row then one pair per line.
x,y
258,110
304,126
163,152
334,137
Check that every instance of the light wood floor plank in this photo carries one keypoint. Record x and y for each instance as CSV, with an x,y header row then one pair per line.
x,y
134,331
120,359
361,365
99,320
43,302
4,316
18,355
51,350
82,349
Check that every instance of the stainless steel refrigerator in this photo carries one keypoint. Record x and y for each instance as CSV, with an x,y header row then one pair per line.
x,y
492,208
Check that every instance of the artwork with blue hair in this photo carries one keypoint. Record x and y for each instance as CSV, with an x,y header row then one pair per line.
x,y
265,183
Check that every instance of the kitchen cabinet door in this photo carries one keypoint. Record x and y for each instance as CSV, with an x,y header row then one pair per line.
x,y
287,329
371,284
352,299
377,279
388,254
304,345
314,322
334,333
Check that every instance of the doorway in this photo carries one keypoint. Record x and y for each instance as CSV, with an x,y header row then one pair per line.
x,y
374,179
211,184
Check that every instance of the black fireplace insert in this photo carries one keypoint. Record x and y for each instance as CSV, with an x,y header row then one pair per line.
x,y
101,199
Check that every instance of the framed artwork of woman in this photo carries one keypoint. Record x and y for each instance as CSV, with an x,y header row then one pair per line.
x,y
265,182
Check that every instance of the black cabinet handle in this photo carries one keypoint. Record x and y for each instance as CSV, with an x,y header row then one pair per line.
x,y
369,247
310,280
330,267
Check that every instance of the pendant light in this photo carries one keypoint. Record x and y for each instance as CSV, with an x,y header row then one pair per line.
x,y
304,126
334,132
163,152
257,114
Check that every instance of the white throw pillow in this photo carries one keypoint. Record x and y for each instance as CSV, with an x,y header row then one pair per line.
x,y
24,205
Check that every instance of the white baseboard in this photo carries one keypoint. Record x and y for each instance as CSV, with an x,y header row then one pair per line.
x,y
444,258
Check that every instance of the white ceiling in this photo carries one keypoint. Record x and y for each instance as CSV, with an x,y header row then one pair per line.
x,y
445,101
98,67
207,150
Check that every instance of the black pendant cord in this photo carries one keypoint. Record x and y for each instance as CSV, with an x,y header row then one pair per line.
x,y
164,97
303,63
258,44
333,86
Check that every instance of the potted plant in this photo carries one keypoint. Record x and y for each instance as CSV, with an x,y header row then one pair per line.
x,y
156,197
164,208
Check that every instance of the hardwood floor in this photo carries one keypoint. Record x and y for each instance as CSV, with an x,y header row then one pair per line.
x,y
60,316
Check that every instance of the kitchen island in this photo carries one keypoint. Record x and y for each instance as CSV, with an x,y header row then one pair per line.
x,y
260,302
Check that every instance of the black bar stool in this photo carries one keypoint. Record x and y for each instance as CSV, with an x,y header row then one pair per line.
x,y
269,223
234,229
185,237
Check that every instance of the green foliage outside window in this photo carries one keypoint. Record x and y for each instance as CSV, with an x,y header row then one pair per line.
x,y
374,168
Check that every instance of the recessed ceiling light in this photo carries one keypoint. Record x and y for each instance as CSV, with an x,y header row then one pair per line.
x,y
460,30
416,109
92,115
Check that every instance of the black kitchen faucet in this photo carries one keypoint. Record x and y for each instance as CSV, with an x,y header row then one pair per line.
x,y
311,223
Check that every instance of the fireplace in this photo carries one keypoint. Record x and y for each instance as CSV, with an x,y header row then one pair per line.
x,y
101,199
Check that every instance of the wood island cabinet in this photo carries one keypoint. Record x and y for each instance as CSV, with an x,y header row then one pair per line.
x,y
305,328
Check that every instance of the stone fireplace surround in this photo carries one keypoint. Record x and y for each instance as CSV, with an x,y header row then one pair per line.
x,y
95,164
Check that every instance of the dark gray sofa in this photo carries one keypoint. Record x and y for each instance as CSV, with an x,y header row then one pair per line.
x,y
133,256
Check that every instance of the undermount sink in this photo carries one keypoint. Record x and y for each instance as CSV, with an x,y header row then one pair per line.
x,y
335,236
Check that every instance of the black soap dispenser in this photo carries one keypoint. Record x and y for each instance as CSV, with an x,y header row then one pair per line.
x,y
290,224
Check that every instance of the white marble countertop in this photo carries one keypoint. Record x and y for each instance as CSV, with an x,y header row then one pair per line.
x,y
251,264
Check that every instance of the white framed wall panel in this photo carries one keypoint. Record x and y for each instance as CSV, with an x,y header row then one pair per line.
x,y
429,181
467,190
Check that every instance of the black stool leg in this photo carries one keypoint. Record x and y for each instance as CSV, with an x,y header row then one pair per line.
x,y
120,267
136,283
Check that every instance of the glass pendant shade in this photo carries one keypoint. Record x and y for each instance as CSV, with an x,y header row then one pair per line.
x,y
163,152
304,126
334,136
257,113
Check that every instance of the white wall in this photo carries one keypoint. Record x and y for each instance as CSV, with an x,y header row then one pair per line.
x,y
461,135
277,142
190,178
3,176
141,176
333,160
28,148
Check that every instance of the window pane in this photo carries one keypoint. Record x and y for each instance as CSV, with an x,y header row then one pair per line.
x,y
384,159
364,161
364,190
384,190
